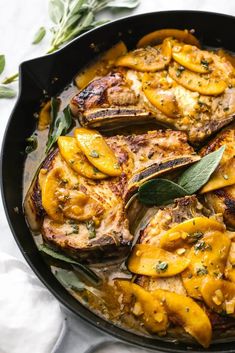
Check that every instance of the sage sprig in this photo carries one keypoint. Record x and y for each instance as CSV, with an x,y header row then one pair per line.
x,y
60,123
6,92
70,19
163,191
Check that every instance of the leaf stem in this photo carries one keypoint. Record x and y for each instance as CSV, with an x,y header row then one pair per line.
x,y
10,79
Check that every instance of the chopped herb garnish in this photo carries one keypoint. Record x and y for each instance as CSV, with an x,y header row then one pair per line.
x,y
194,237
205,63
94,154
161,266
202,246
202,271
91,228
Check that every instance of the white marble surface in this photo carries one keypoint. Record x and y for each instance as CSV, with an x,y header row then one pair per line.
x,y
19,20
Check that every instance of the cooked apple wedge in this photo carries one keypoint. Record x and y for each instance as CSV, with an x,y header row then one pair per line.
x,y
76,159
189,232
202,83
59,200
192,58
158,36
150,260
188,314
97,151
229,271
101,66
223,176
147,307
207,256
44,117
156,88
219,295
149,59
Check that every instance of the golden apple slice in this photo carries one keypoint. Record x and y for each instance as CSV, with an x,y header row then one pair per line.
x,y
44,117
207,257
157,91
205,84
147,59
192,58
148,308
149,260
223,176
188,314
99,154
219,295
76,159
158,36
230,266
101,66
189,232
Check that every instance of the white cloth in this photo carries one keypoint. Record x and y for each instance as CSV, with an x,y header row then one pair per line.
x,y
30,317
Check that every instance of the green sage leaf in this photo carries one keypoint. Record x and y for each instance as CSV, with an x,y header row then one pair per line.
x,y
2,63
60,122
40,34
128,4
58,256
69,279
160,192
32,144
56,10
7,92
199,173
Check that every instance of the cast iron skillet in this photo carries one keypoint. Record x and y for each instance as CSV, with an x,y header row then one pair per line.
x,y
36,76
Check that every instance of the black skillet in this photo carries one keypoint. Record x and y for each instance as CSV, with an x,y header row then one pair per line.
x,y
36,76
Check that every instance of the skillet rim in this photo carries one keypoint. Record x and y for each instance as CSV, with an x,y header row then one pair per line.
x,y
48,279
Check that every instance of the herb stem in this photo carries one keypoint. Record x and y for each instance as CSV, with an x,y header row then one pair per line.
x,y
10,79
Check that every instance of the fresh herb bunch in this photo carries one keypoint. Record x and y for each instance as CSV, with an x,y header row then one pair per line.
x,y
70,18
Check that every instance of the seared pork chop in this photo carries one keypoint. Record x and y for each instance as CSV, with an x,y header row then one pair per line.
x,y
103,227
119,99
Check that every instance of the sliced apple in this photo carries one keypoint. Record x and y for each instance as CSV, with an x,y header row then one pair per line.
x,y
202,83
223,176
219,295
187,314
230,266
99,154
44,117
207,257
76,159
147,59
189,232
192,58
149,260
157,90
158,36
101,66
150,309
59,199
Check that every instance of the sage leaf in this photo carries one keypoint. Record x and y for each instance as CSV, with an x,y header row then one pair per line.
x,y
60,122
56,10
58,256
6,92
69,279
199,173
128,4
32,144
2,63
160,192
40,34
